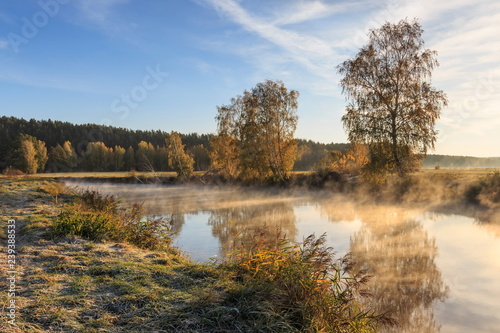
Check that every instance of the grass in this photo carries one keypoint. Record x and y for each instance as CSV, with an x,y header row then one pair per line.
x,y
117,174
74,278
98,218
305,286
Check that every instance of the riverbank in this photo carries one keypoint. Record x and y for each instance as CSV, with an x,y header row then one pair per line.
x,y
471,192
66,280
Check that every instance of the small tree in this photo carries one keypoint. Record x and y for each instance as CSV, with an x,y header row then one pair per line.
x,y
392,105
178,160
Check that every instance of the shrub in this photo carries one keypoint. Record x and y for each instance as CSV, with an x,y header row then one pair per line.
x,y
96,217
486,191
72,221
305,286
10,171
490,190
93,200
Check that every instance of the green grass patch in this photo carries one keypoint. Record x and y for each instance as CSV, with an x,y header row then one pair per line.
x,y
99,218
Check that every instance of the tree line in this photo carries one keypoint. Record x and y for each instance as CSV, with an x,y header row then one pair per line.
x,y
67,147
389,120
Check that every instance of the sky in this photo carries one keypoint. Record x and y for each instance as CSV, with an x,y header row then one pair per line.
x,y
168,64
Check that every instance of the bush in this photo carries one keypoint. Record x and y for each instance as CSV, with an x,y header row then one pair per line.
x,y
10,171
93,200
486,191
96,226
96,217
305,287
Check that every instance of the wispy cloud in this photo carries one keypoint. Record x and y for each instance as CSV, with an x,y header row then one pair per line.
x,y
99,11
303,11
465,35
311,52
104,15
4,44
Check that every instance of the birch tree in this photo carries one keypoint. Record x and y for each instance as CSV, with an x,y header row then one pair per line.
x,y
392,106
178,159
261,125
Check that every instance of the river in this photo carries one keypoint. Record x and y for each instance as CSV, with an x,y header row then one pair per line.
x,y
433,272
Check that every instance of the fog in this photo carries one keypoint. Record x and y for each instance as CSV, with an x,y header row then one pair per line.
x,y
430,270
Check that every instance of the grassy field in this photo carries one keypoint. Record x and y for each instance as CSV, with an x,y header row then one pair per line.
x,y
72,277
468,171
468,175
119,174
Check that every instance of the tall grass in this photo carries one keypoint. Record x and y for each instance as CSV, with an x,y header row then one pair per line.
x,y
302,287
99,218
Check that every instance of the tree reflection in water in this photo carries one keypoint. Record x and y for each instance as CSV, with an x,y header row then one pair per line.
x,y
401,257
254,224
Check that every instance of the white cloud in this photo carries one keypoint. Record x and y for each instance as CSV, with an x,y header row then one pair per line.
x,y
465,35
311,52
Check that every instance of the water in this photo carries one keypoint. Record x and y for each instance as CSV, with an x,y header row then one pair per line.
x,y
434,272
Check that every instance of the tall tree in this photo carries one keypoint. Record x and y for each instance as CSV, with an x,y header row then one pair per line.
x,y
162,158
29,154
145,156
224,155
130,159
70,154
118,158
392,105
261,124
98,156
178,159
27,157
200,156
41,154
62,158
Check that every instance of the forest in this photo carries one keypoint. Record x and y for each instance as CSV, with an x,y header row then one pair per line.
x,y
90,147
118,149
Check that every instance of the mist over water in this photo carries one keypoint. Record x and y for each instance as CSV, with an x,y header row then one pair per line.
x,y
433,272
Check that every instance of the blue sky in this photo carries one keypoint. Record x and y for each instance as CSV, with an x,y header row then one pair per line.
x,y
168,64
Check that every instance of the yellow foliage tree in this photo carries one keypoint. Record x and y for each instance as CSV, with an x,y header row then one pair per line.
x,y
258,128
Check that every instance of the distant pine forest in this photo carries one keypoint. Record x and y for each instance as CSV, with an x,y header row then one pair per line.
x,y
70,147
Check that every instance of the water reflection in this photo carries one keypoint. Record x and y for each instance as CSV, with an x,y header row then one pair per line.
x,y
248,225
401,257
414,256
